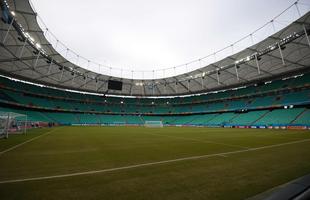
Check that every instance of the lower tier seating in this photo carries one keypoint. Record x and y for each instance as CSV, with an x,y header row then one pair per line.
x,y
297,116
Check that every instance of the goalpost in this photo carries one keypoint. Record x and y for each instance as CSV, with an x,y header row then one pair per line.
x,y
11,122
153,124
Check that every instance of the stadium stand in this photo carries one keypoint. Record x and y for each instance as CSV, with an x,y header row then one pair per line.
x,y
232,107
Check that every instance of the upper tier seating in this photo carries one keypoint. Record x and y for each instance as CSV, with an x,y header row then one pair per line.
x,y
250,90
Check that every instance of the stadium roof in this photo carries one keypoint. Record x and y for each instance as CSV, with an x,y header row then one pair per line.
x,y
26,54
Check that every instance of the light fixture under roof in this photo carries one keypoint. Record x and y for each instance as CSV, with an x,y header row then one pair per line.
x,y
139,84
38,45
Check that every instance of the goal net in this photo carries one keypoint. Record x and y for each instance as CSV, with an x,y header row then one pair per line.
x,y
153,124
11,122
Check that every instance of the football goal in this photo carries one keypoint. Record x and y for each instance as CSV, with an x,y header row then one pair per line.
x,y
11,122
153,124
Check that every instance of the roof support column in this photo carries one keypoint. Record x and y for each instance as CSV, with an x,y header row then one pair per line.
x,y
307,37
97,84
85,81
273,26
49,68
236,69
283,62
66,56
56,45
36,62
165,88
131,89
218,77
62,73
73,79
298,11
77,60
252,39
175,87
257,64
87,67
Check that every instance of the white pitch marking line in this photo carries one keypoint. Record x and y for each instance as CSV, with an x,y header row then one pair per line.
x,y
203,141
27,141
150,164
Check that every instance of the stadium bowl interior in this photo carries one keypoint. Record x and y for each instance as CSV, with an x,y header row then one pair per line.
x,y
244,98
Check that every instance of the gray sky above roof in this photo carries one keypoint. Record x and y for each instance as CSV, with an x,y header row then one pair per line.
x,y
153,34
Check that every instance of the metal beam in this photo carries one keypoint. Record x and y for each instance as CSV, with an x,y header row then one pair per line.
x,y
284,59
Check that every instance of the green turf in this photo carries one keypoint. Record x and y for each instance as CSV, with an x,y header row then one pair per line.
x,y
66,150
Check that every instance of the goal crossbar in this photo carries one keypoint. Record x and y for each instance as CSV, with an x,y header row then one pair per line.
x,y
153,124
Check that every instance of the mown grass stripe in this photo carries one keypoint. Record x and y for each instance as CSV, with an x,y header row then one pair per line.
x,y
27,141
150,163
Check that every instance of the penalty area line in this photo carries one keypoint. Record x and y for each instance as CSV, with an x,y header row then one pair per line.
x,y
27,141
151,163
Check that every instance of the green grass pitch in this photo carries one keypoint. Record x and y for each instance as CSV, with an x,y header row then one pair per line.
x,y
150,163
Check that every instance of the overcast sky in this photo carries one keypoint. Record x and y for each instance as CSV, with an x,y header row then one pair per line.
x,y
152,34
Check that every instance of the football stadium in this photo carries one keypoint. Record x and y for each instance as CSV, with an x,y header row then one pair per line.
x,y
231,125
